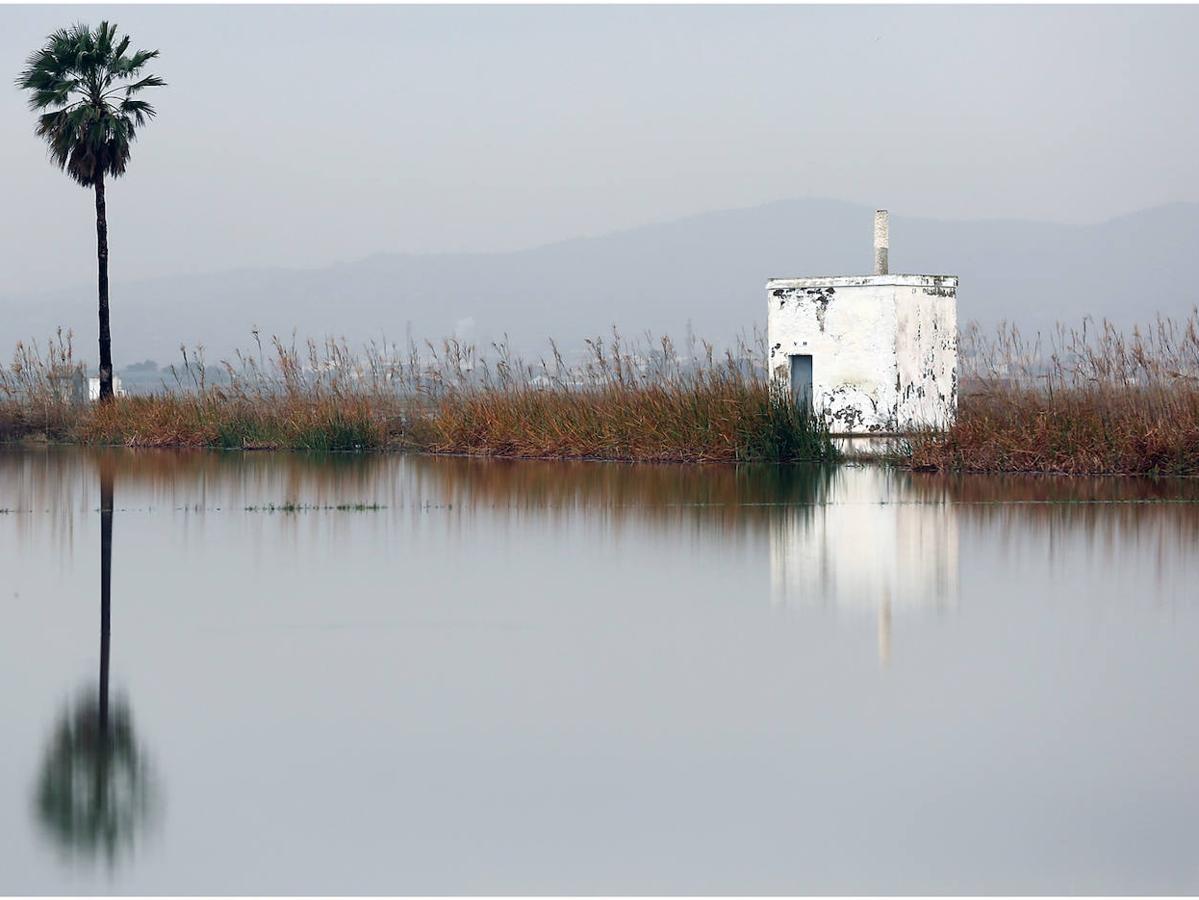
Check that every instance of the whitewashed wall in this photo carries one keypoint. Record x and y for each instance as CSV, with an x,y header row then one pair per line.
x,y
883,347
927,354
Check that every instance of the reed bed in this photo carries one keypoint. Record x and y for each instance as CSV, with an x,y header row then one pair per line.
x,y
1084,401
642,401
34,389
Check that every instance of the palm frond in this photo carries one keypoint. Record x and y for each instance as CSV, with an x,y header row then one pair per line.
x,y
138,110
148,81
82,83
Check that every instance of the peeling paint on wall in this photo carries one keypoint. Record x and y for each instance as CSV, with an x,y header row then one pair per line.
x,y
883,348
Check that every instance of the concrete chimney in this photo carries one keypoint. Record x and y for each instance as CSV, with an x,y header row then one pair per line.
x,y
882,241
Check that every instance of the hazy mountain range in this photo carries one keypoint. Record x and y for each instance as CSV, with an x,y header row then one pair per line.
x,y
706,270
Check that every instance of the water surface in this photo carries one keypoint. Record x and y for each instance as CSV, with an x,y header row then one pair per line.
x,y
388,674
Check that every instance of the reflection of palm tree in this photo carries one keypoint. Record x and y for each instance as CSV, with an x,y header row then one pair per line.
x,y
105,585
94,791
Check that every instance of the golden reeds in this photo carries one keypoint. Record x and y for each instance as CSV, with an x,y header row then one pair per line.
x,y
1091,400
639,402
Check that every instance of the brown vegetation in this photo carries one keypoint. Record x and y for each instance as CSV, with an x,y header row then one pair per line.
x,y
1082,402
1086,401
640,404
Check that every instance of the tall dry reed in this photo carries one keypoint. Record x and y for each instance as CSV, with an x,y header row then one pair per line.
x,y
1089,400
40,389
639,401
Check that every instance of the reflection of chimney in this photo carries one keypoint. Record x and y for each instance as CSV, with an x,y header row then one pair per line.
x,y
884,629
911,570
882,241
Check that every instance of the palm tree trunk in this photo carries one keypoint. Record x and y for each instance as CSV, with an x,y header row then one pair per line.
x,y
102,280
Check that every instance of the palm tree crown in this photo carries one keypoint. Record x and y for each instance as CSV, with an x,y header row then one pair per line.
x,y
84,83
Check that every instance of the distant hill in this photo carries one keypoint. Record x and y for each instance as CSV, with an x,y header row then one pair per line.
x,y
707,270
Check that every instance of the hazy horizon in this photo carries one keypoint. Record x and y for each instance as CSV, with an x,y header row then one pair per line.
x,y
302,137
701,274
87,279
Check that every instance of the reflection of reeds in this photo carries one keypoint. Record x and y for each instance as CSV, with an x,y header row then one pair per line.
x,y
1083,401
1107,512
639,402
731,506
57,481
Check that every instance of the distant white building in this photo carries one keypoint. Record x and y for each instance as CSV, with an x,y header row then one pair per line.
x,y
93,387
876,354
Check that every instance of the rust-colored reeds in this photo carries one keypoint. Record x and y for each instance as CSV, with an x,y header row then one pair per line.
x,y
641,402
1091,400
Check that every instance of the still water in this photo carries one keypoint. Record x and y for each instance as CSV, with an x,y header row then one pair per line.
x,y
416,675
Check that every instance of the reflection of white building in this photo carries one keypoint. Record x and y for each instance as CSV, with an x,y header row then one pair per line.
x,y
872,548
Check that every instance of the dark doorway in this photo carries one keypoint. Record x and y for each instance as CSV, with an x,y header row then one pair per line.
x,y
801,381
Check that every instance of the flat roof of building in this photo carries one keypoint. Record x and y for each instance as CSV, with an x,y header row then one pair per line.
x,y
836,281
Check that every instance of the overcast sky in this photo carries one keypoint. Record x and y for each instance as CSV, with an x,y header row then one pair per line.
x,y
306,135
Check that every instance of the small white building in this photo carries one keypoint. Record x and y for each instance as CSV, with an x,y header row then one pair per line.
x,y
93,387
875,354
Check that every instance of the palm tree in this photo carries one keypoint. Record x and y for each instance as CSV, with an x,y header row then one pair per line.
x,y
84,83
